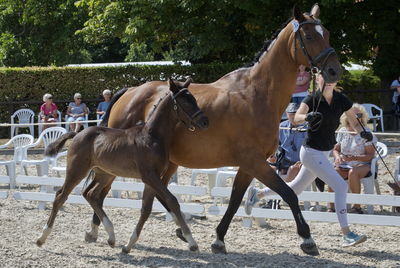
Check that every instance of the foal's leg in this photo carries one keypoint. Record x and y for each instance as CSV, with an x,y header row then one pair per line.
x,y
241,182
92,235
265,174
94,198
75,174
147,204
153,180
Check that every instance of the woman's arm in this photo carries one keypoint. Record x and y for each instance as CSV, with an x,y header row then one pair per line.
x,y
300,116
369,154
337,154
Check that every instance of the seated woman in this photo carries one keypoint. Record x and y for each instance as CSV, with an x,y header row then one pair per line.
x,y
48,111
76,112
102,107
353,154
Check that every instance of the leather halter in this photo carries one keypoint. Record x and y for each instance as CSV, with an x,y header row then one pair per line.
x,y
178,108
321,57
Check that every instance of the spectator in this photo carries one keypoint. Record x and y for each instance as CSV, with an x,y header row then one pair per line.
x,y
76,112
102,107
396,95
353,154
48,110
290,141
302,85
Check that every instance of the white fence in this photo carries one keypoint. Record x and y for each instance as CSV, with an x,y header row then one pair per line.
x,y
47,182
217,193
368,199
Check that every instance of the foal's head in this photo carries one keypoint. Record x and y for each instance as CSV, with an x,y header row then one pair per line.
x,y
186,106
311,44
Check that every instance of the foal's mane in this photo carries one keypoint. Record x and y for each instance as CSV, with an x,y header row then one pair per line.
x,y
155,106
267,43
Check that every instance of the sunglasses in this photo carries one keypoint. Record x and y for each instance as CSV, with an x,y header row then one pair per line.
x,y
78,98
50,98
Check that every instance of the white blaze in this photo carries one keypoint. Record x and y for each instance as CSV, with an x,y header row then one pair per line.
x,y
318,28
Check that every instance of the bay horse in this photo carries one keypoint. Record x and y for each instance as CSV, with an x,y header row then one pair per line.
x,y
244,108
141,151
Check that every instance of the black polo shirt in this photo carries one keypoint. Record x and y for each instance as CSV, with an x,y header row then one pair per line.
x,y
323,139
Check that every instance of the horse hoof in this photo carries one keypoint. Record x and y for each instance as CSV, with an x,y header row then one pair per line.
x,y
218,249
310,249
39,243
125,249
111,242
90,238
194,248
180,234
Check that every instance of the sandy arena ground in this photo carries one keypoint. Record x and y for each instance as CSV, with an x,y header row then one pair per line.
x,y
274,246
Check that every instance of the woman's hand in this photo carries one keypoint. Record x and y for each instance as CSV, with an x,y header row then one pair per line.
x,y
347,158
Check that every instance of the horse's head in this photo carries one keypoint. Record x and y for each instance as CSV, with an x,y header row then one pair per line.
x,y
186,106
311,44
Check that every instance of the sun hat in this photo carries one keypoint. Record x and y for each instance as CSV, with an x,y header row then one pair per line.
x,y
77,96
106,92
292,108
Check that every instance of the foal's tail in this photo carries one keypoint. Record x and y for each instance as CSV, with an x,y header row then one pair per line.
x,y
114,99
54,147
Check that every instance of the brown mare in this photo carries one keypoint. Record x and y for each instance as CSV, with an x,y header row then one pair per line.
x,y
141,151
244,108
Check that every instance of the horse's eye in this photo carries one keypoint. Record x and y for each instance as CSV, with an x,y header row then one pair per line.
x,y
308,37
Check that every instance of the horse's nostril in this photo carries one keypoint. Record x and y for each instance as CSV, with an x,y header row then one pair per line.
x,y
331,72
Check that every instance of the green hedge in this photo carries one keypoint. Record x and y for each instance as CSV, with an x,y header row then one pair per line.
x,y
31,83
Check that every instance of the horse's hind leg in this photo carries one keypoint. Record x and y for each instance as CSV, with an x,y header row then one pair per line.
x,y
73,177
162,191
147,204
94,197
241,182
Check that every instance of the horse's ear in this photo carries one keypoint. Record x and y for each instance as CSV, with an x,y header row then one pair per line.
x,y
315,11
297,14
172,86
187,83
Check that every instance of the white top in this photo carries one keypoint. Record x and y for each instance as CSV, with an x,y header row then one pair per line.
x,y
353,144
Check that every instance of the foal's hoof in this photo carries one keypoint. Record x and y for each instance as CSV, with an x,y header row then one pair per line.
x,y
90,238
194,248
218,248
310,249
111,242
39,243
180,234
125,250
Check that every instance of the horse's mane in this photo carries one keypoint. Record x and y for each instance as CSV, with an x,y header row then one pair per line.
x,y
267,43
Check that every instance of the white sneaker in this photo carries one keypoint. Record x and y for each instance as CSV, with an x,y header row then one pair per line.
x,y
352,239
251,200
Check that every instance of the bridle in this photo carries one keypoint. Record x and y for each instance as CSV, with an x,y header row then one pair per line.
x,y
178,109
322,58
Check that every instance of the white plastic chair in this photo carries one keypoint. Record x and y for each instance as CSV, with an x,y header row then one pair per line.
x,y
371,182
374,113
39,120
20,143
48,136
22,117
85,125
397,169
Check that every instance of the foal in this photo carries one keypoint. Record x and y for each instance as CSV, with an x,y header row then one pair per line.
x,y
138,152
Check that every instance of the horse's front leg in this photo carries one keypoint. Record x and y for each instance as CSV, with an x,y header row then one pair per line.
x,y
265,174
147,203
240,184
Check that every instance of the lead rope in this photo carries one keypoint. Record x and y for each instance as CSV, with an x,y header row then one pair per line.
x,y
376,150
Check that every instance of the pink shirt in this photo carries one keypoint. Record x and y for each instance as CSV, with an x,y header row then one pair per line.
x,y
46,111
302,88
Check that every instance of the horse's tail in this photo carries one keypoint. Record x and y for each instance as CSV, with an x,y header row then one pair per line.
x,y
104,121
54,147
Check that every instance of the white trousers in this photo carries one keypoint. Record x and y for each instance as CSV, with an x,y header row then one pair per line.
x,y
316,164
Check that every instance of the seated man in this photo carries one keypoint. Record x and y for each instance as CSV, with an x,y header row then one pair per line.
x,y
287,159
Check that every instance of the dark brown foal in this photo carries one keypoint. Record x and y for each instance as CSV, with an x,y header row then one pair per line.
x,y
138,152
